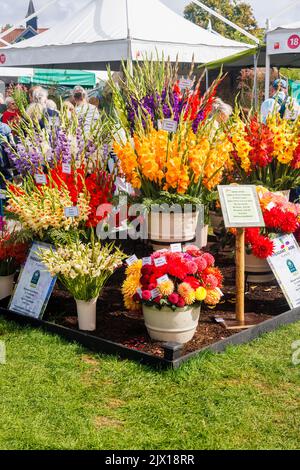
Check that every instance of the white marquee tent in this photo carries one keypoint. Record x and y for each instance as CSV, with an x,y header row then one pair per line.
x,y
108,31
283,49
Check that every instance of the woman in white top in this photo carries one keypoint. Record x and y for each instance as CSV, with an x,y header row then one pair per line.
x,y
87,113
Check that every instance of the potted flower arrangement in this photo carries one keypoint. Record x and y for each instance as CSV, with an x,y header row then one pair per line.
x,y
266,154
170,287
281,217
12,255
83,269
40,204
168,167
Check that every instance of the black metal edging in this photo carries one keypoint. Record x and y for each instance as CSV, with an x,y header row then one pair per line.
x,y
172,351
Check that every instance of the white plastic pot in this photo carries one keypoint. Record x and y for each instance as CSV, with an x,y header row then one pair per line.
x,y
6,286
86,312
258,270
169,326
166,228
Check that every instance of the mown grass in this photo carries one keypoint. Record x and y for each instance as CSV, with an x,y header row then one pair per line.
x,y
56,395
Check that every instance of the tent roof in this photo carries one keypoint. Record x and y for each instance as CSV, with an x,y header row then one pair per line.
x,y
112,30
295,25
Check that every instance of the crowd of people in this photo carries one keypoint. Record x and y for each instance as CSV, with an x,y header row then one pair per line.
x,y
43,111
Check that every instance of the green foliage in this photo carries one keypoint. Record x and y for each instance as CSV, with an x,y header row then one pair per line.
x,y
237,11
57,396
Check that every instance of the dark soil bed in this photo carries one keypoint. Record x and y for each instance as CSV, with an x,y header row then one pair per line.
x,y
115,324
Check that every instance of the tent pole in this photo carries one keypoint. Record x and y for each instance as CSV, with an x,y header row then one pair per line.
x,y
207,79
129,51
255,81
267,83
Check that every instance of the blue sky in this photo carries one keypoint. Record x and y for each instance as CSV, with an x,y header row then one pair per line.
x,y
13,10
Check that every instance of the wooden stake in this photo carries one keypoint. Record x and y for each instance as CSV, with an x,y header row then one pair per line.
x,y
240,276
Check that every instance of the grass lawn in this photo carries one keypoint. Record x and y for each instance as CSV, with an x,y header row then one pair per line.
x,y
56,395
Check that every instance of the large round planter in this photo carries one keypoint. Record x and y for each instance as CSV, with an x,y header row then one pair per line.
x,y
257,270
169,326
166,228
202,237
6,286
86,312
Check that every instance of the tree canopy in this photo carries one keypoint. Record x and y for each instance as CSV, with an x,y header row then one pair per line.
x,y
237,11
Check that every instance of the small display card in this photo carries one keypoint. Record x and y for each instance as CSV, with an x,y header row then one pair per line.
x,y
66,168
72,212
168,125
147,261
162,279
130,261
160,262
40,179
176,248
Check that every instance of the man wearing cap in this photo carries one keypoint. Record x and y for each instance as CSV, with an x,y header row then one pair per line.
x,y
280,102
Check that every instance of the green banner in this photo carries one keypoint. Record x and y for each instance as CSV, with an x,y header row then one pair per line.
x,y
60,77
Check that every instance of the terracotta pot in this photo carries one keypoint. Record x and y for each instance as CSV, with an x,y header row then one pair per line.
x,y
6,286
169,326
166,228
86,312
258,270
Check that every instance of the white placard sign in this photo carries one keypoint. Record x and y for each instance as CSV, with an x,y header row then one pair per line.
x,y
285,264
160,262
132,260
34,287
176,248
240,206
66,168
185,83
72,211
40,179
168,125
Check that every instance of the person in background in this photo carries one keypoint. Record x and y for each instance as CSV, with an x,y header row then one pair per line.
x,y
2,105
51,113
69,108
280,102
5,136
33,90
86,112
221,111
35,112
94,101
12,114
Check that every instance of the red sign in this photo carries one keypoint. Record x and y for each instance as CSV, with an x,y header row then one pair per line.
x,y
2,58
294,41
277,45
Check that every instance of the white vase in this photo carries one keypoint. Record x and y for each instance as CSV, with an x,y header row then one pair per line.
x,y
258,270
166,228
86,312
6,286
169,326
202,237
